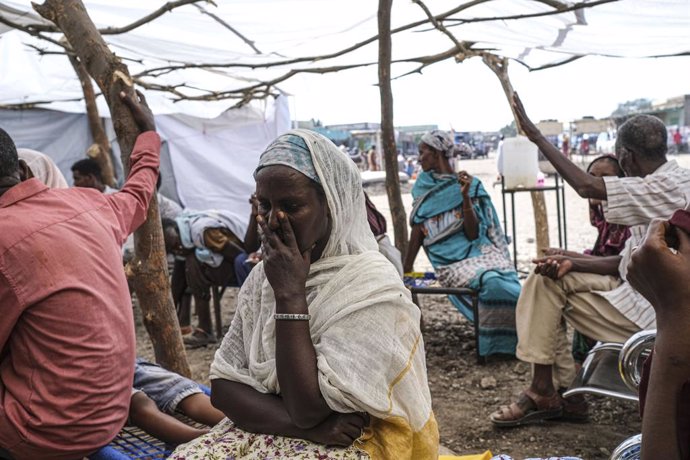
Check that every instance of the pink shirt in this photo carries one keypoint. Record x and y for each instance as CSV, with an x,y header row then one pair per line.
x,y
67,342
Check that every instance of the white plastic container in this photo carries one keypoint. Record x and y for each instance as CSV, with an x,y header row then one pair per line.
x,y
520,165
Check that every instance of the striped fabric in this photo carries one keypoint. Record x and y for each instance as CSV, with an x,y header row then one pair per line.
x,y
635,201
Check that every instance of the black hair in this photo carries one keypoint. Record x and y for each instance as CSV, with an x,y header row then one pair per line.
x,y
88,166
611,160
643,135
9,160
159,181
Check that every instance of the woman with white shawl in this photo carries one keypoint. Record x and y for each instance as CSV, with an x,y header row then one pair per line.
x,y
43,168
324,357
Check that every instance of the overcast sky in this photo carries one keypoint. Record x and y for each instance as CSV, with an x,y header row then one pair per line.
x,y
468,96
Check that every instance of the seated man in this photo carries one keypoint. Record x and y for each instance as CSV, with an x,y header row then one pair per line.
x,y
591,294
66,330
157,393
610,240
87,173
208,241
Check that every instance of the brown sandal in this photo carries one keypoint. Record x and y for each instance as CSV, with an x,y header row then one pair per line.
x,y
537,409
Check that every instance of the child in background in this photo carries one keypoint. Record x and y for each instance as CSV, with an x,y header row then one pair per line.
x,y
157,392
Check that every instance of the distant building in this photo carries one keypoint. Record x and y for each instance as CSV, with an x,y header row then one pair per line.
x,y
550,127
673,112
590,125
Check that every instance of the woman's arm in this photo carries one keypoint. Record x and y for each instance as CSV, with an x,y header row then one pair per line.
x,y
286,269
257,412
416,239
470,220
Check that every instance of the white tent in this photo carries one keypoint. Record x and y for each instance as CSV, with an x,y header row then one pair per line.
x,y
213,149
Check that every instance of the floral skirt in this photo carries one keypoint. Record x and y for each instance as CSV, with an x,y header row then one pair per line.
x,y
227,442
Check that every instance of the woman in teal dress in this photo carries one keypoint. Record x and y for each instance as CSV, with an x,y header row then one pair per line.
x,y
456,223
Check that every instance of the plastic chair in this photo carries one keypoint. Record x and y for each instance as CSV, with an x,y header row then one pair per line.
x,y
133,443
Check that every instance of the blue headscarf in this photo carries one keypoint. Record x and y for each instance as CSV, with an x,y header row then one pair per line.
x,y
292,151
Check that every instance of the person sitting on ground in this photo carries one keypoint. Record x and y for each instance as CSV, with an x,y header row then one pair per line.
x,y
87,173
42,167
610,241
324,357
453,218
157,393
67,331
591,293
660,270
208,241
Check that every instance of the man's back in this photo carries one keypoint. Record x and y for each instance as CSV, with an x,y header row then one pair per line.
x,y
66,332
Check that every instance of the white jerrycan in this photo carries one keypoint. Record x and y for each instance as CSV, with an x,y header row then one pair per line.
x,y
520,162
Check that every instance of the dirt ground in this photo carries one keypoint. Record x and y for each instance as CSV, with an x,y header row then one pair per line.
x,y
465,393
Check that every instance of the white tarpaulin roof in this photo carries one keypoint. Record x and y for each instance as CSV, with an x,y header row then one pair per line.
x,y
283,30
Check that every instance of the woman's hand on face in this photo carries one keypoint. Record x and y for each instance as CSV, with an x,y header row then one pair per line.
x,y
465,181
285,266
340,429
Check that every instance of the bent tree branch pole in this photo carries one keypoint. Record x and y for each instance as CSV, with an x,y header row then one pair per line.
x,y
150,265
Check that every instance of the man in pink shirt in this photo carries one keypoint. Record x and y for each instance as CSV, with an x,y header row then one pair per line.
x,y
67,343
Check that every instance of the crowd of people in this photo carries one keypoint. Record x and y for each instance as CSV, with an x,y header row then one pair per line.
x,y
324,357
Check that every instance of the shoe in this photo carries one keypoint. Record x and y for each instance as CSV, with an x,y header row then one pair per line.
x,y
529,408
198,339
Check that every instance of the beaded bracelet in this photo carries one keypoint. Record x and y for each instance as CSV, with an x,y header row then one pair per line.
x,y
292,316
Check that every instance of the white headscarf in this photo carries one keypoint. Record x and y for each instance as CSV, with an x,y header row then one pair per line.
x,y
441,141
43,168
364,326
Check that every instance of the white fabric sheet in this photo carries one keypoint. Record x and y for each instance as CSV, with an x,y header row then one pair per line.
x,y
214,160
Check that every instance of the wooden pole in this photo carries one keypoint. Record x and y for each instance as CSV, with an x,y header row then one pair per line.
x,y
149,265
387,130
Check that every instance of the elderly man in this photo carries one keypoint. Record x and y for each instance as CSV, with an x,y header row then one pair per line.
x,y
66,331
591,294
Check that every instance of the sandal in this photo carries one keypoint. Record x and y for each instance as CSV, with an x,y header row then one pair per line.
x,y
529,408
198,339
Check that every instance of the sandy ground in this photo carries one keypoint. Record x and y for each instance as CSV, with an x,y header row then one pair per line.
x,y
464,393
